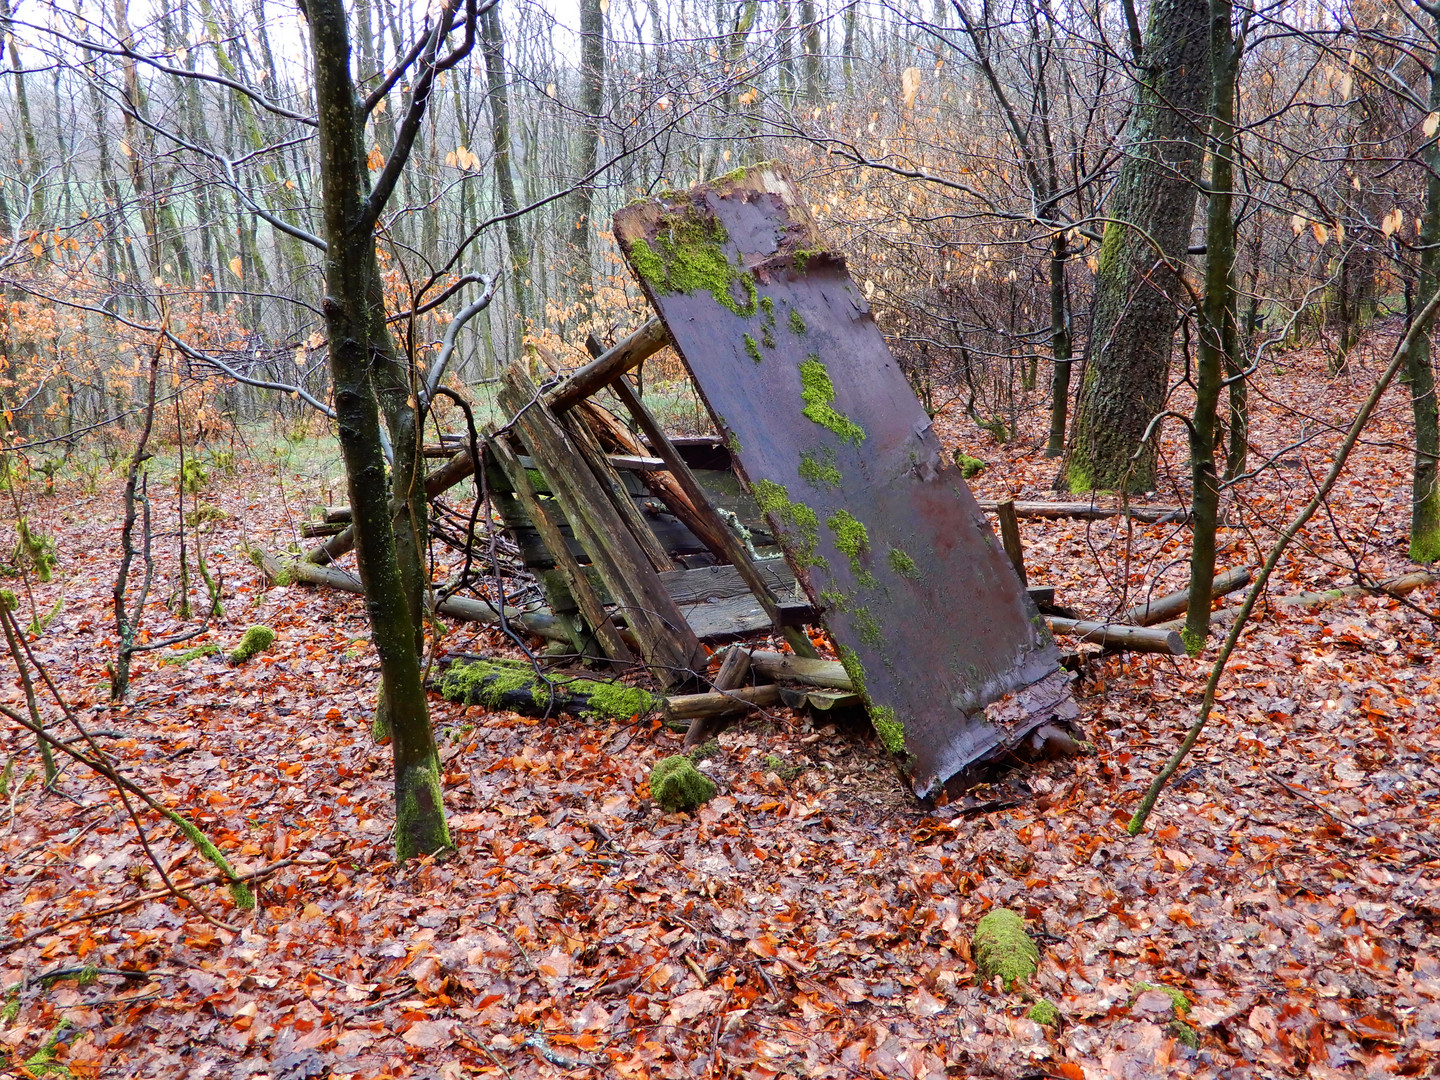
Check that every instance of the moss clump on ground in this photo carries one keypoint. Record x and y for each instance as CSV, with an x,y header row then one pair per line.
x,y
42,1062
903,564
253,642
704,750
774,500
752,350
817,467
818,393
677,785
691,258
776,764
888,727
968,466
191,654
797,322
1178,1001
1002,948
1044,1012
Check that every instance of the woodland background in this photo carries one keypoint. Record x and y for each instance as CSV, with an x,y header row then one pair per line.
x,y
168,380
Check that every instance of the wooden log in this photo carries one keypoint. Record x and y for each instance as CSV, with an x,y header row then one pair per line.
x,y
828,674
734,670
320,528
668,644
1151,639
608,366
1090,512
517,687
579,585
1010,537
337,515
540,622
1396,587
1164,608
713,706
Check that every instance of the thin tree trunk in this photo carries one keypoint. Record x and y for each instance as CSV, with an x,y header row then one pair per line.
x,y
1419,365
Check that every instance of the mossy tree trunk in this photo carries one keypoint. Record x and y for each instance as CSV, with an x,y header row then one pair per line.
x,y
1419,366
1218,340
368,376
592,103
1137,290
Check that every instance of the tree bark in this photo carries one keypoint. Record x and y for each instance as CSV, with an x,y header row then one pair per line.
x,y
1420,367
358,344
1218,339
1137,289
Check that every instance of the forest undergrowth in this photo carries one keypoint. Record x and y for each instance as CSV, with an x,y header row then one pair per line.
x,y
811,921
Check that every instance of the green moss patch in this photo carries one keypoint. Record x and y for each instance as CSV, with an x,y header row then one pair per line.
x,y
851,539
817,467
491,682
903,564
818,394
774,500
253,642
688,256
1178,1001
797,322
752,350
1044,1012
1002,948
191,654
677,785
888,726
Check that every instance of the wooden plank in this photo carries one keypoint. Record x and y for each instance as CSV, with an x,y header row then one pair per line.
x,y
667,643
584,443
733,549
875,519
598,620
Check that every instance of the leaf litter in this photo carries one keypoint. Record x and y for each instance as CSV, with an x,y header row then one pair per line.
x,y
816,926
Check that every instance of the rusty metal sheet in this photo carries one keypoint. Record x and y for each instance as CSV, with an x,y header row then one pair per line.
x,y
876,522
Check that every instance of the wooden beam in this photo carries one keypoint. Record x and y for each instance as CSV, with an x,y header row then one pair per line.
x,y
1091,512
608,366
1151,639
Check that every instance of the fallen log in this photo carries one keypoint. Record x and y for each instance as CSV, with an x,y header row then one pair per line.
x,y
1090,512
698,708
1151,639
312,529
540,623
1395,587
829,674
1168,607
516,686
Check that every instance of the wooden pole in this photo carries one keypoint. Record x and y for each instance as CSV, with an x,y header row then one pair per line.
x,y
1168,607
1010,537
608,366
1151,639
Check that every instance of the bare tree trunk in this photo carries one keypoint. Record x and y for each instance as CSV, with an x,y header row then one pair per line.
x,y
358,344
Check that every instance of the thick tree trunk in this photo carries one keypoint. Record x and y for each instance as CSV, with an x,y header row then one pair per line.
x,y
356,348
1137,294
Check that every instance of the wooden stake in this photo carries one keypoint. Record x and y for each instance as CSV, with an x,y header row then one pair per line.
x,y
1010,536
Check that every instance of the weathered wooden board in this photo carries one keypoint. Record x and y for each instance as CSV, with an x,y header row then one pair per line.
x,y
879,527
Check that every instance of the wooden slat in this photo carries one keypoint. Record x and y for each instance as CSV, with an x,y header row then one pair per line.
x,y
579,585
647,341
666,640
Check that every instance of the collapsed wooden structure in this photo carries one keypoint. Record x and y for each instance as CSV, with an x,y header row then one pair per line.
x,y
649,549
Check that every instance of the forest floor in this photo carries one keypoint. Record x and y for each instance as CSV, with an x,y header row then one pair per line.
x,y
808,922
